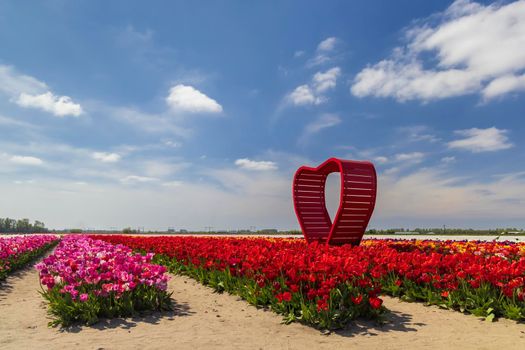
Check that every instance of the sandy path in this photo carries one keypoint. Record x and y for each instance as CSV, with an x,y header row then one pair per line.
x,y
206,320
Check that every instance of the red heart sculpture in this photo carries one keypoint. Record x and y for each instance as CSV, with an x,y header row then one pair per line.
x,y
357,201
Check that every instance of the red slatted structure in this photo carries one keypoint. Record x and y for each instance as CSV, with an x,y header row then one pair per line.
x,y
357,201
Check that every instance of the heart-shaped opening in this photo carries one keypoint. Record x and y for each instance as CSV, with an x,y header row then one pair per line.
x,y
332,194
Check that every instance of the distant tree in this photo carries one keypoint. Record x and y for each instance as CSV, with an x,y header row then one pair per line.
x,y
129,230
8,225
39,226
23,225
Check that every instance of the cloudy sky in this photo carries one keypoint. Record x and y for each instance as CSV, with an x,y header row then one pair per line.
x,y
195,114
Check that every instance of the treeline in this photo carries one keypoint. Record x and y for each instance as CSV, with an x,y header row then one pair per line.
x,y
8,225
449,231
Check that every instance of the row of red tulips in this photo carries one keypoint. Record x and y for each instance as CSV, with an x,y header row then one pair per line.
x,y
327,286
16,252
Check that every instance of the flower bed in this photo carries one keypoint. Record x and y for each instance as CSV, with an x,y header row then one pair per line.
x,y
510,250
87,279
17,252
485,279
327,286
301,282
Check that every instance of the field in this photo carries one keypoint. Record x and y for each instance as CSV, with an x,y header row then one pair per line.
x,y
267,292
326,286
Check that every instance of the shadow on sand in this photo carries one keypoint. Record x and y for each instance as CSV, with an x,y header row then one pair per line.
x,y
5,289
6,286
179,310
394,322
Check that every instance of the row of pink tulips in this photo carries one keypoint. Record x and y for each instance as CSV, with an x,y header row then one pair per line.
x,y
86,279
16,252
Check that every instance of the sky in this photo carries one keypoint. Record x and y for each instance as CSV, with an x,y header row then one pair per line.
x,y
196,114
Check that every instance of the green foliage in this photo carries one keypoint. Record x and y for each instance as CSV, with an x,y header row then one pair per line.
x,y
65,311
484,301
8,225
129,230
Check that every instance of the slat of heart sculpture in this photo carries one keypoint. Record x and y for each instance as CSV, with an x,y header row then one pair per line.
x,y
357,201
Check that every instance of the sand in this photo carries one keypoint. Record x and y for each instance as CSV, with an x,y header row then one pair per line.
x,y
207,320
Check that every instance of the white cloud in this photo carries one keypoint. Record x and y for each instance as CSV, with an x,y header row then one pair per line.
x,y
381,159
314,93
26,160
473,48
185,98
323,122
409,81
29,92
417,133
60,106
323,52
323,81
299,53
303,95
132,179
106,157
449,159
481,140
327,44
246,163
413,157
318,60
172,144
503,85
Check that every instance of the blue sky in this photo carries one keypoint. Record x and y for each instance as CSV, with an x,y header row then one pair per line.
x,y
193,114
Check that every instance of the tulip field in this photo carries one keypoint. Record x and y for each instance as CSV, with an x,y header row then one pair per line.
x,y
327,286
16,252
106,276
